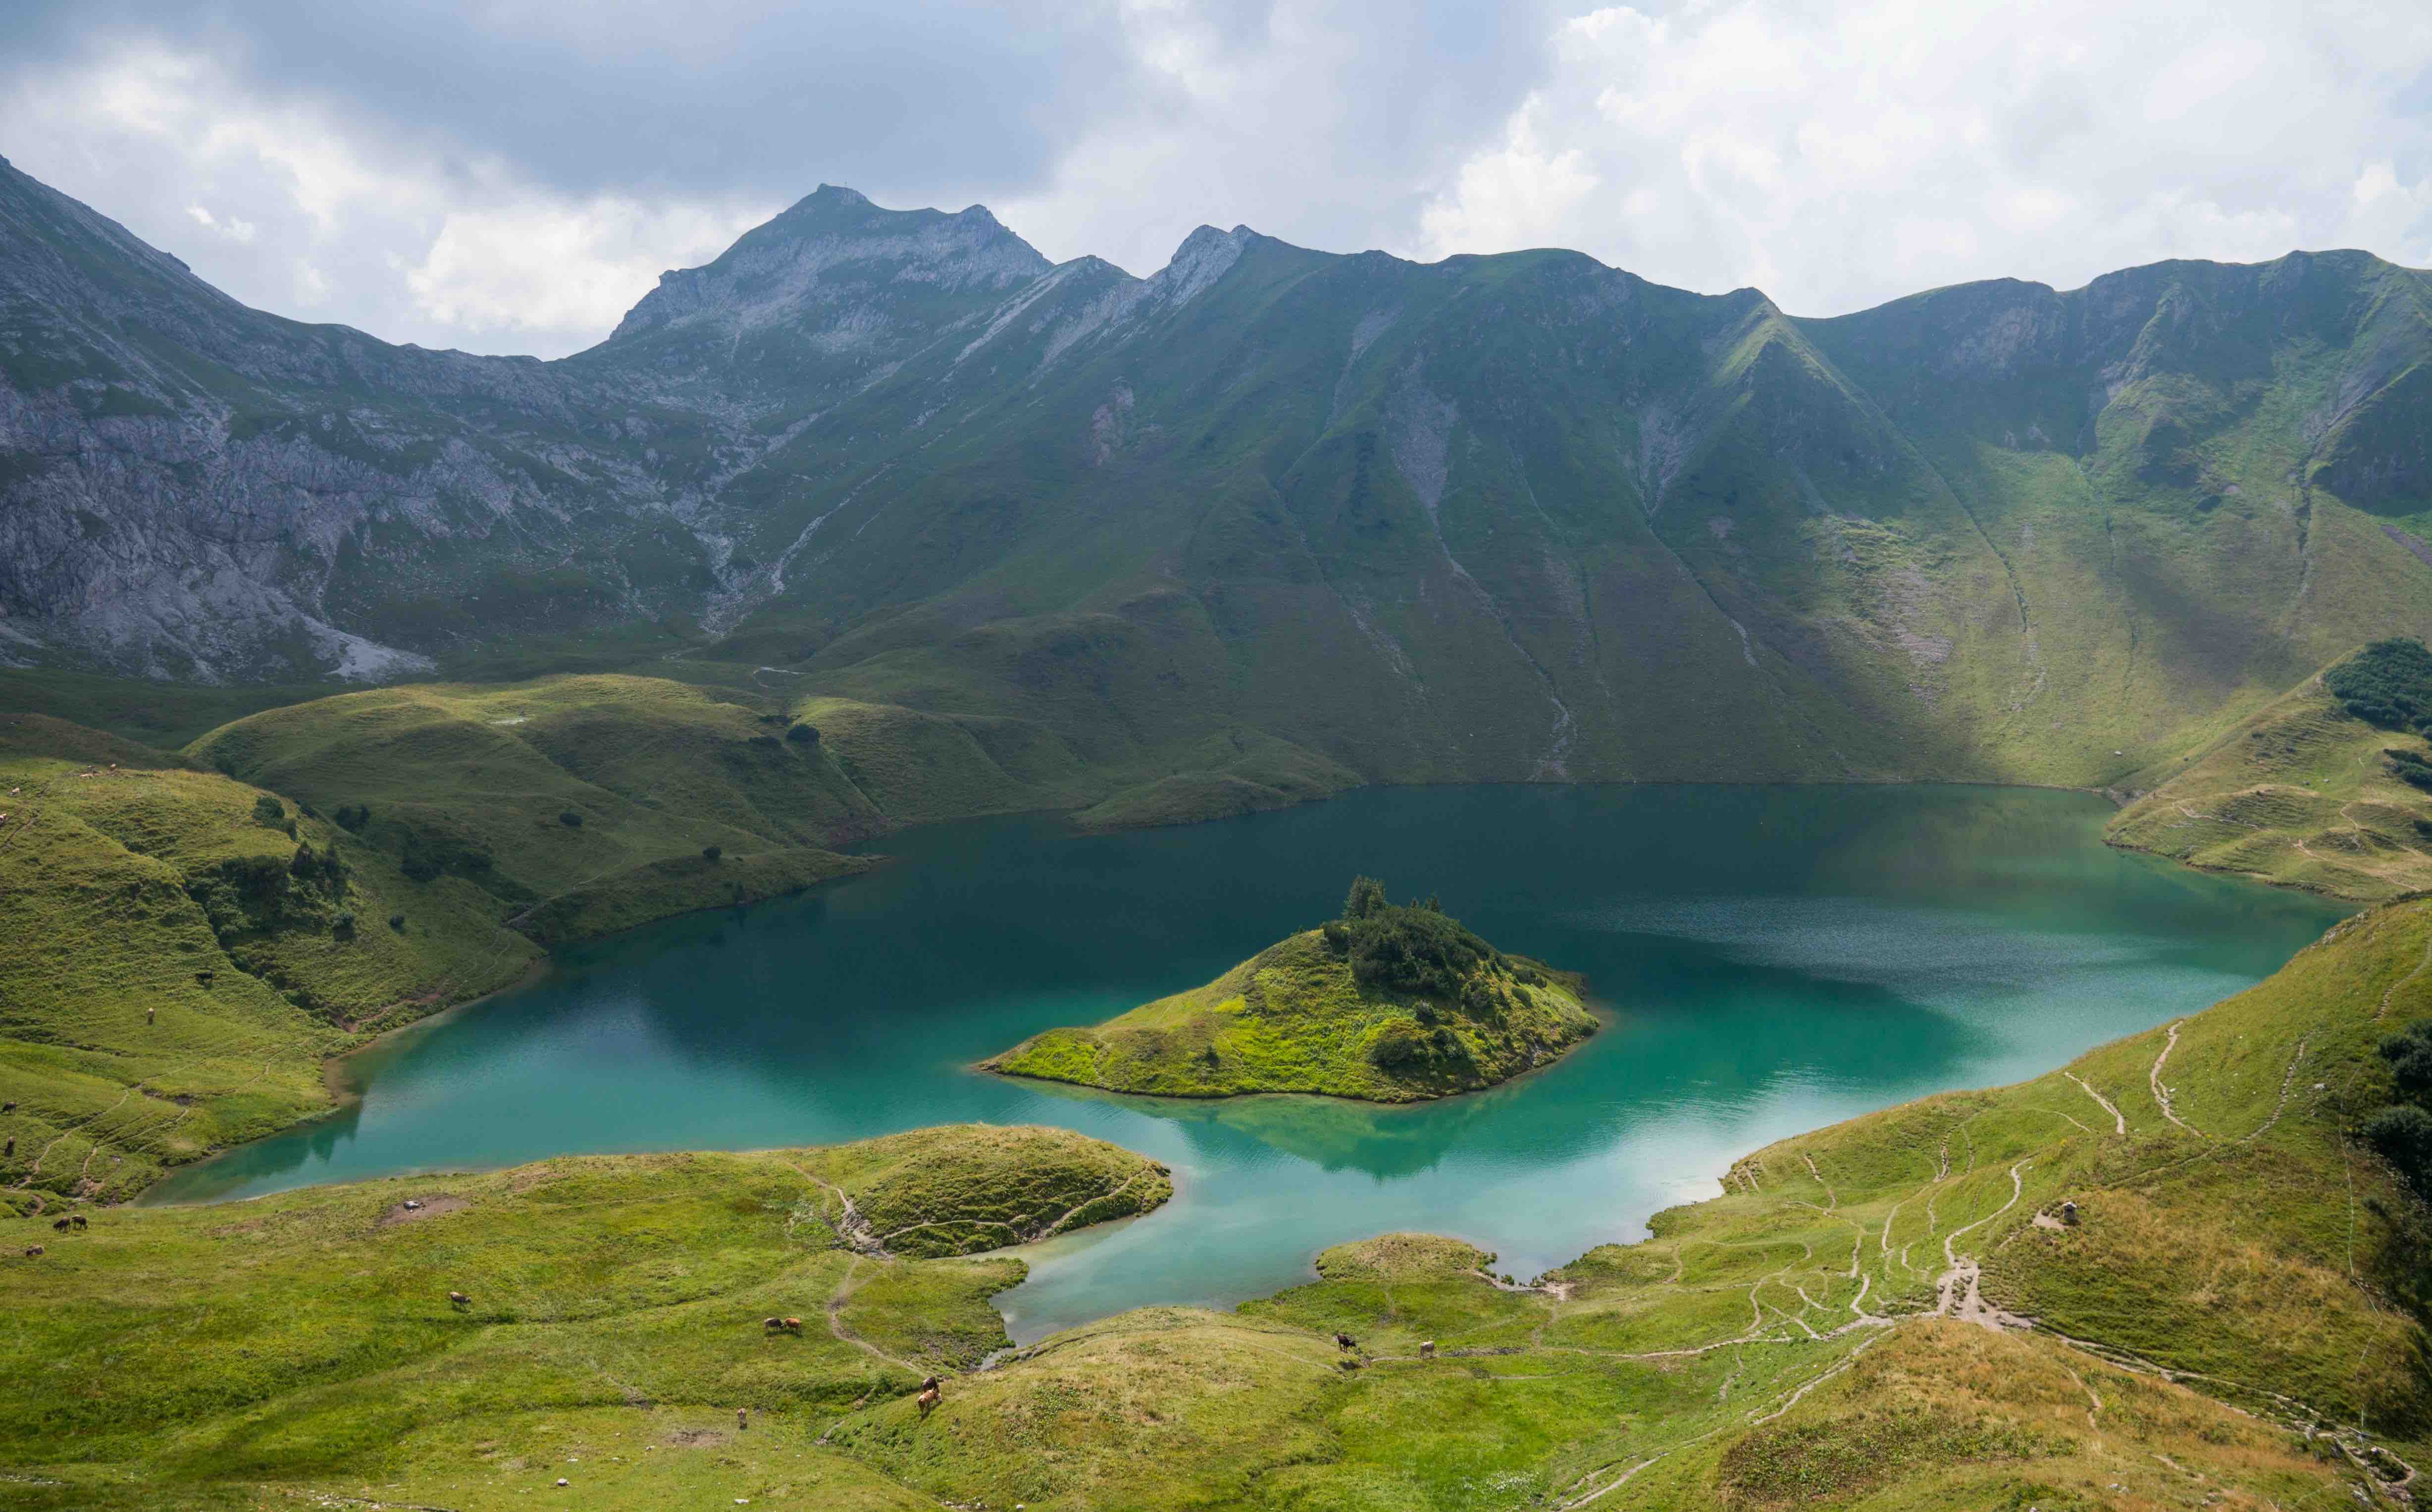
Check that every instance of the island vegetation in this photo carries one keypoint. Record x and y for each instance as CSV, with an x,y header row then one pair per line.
x,y
1388,1003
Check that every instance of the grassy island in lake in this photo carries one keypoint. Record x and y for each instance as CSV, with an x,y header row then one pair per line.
x,y
1387,1004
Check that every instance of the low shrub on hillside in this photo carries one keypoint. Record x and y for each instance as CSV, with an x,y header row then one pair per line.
x,y
2403,1131
269,812
2389,684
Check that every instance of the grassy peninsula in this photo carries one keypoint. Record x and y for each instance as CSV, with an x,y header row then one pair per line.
x,y
1388,1003
2329,788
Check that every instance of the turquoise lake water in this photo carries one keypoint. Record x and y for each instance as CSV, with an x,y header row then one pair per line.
x,y
1771,959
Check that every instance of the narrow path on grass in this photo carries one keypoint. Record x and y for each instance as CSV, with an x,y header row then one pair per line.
x,y
2162,1093
2119,1119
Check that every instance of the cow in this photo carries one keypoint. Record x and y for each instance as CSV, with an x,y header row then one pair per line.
x,y
793,1325
927,1401
1344,1341
1427,1349
79,1221
742,1418
61,1225
774,1325
459,1300
33,1252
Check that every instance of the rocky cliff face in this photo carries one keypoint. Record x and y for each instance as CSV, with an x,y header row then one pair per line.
x,y
1531,515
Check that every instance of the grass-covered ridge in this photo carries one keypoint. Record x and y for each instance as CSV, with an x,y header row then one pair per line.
x,y
1388,1004
2330,788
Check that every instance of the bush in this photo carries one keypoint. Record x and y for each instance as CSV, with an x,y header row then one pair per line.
x,y
803,735
397,922
2389,684
344,924
1400,1044
2404,1136
570,819
1367,895
352,817
2410,1054
269,812
711,853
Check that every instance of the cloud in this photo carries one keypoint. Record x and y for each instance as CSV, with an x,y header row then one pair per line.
x,y
1841,155
507,176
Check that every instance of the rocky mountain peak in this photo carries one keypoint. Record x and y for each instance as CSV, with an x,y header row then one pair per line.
x,y
828,259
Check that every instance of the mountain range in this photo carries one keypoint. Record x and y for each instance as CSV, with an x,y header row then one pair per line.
x,y
1520,516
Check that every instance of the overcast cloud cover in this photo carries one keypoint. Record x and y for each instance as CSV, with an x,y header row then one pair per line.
x,y
511,175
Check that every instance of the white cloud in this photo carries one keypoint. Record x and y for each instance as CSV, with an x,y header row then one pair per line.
x,y
1840,155
240,231
338,225
520,267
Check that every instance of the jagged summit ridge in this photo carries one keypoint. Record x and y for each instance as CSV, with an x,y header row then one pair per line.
x,y
820,260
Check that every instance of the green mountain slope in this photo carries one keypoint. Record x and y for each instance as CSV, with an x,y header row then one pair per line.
x,y
1508,517
2231,1313
187,936
2304,792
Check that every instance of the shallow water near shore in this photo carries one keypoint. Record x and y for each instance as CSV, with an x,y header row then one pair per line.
x,y
1770,959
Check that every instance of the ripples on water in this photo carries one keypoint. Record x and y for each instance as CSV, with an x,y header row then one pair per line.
x,y
1772,959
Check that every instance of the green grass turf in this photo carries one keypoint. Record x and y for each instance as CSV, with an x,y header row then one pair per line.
x,y
1294,1018
2301,793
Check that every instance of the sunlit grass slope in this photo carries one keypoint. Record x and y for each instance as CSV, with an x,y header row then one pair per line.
x,y
1314,1013
168,984
2302,794
305,1343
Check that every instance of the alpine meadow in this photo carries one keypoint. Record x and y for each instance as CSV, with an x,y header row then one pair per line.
x,y
881,581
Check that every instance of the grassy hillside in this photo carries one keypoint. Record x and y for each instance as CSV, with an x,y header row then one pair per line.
x,y
1386,1004
181,947
169,983
181,1356
2234,1319
2305,792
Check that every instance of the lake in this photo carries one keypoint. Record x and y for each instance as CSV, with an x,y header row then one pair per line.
x,y
1771,959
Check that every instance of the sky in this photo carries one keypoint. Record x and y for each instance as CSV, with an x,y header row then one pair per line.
x,y
510,176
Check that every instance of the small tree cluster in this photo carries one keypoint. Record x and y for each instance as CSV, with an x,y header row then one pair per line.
x,y
1411,948
269,812
2388,684
803,735
2403,1131
352,817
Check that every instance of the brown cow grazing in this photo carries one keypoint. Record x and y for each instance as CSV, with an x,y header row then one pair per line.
x,y
459,1300
928,1397
61,1225
793,1325
80,1223
1344,1341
